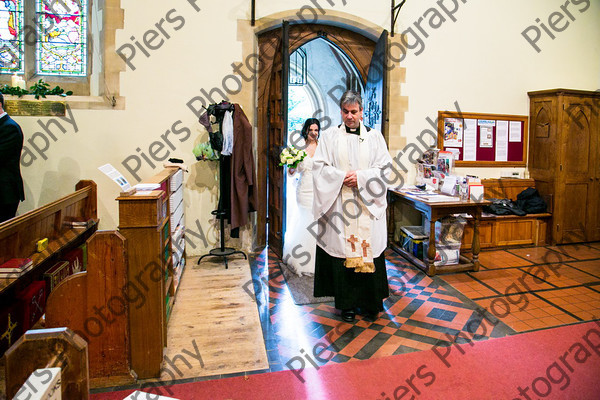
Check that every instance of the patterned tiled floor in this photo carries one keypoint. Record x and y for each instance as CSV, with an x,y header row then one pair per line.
x,y
421,312
540,287
516,290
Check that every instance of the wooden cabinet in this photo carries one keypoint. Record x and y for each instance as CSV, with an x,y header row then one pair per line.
x,y
143,221
153,224
564,154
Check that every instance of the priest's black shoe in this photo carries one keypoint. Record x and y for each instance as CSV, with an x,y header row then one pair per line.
x,y
348,315
371,316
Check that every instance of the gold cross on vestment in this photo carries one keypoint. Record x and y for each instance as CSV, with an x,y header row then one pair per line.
x,y
8,333
365,246
353,239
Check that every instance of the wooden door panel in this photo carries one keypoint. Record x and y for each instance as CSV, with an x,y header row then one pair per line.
x,y
574,216
277,134
515,232
578,143
542,150
578,168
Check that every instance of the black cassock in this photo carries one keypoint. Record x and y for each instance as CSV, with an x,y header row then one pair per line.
x,y
350,289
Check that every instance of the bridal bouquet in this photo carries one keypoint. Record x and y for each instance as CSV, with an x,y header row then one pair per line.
x,y
291,157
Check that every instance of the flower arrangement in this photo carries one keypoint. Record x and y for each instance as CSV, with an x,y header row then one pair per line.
x,y
291,157
205,152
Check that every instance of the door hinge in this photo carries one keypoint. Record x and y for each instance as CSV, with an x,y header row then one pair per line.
x,y
560,167
557,227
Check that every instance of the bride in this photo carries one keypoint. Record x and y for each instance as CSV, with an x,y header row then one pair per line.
x,y
300,245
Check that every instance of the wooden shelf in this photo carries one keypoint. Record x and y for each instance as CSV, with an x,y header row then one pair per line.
x,y
54,246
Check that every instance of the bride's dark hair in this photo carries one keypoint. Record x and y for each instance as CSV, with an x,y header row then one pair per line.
x,y
307,125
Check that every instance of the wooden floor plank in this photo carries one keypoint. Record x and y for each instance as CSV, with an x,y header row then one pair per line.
x,y
213,311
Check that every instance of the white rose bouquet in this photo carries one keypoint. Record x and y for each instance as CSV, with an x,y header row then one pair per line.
x,y
291,157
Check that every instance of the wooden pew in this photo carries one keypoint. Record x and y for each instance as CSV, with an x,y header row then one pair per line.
x,y
95,305
48,348
18,238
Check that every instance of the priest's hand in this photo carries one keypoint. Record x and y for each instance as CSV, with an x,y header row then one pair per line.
x,y
350,179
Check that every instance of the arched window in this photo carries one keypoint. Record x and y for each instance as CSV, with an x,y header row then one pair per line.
x,y
53,33
61,42
69,43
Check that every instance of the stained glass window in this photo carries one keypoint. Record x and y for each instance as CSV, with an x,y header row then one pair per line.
x,y
62,41
11,36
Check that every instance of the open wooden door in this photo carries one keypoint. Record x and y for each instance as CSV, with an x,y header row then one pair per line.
x,y
274,48
276,142
375,96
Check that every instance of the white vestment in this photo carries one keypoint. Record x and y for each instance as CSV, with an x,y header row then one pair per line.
x,y
328,176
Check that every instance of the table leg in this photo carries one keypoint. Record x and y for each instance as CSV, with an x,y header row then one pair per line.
x,y
391,226
476,247
431,270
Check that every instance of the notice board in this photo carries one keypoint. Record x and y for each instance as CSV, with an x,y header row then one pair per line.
x,y
484,140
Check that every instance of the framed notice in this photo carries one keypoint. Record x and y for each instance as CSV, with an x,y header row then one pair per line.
x,y
484,140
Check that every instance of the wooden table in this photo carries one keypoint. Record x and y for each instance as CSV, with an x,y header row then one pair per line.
x,y
433,211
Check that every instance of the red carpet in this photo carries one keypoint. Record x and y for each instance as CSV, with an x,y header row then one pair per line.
x,y
561,363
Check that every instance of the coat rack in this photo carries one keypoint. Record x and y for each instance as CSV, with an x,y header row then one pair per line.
x,y
218,111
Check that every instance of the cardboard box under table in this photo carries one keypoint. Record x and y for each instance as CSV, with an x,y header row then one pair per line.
x,y
413,239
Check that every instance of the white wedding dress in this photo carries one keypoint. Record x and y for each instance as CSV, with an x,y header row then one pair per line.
x,y
300,244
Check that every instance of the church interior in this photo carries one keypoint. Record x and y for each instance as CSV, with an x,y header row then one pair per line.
x,y
157,220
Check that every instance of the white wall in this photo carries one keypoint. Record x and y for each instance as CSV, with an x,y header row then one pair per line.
x,y
481,61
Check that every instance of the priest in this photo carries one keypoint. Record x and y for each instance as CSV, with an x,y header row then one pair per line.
x,y
350,206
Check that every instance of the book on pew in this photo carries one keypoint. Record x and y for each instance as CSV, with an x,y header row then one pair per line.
x,y
16,266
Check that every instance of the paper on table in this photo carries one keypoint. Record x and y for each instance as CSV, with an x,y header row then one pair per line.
x,y
116,176
470,142
515,131
502,141
449,186
147,186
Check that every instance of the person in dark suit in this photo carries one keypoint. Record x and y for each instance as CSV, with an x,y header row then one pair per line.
x,y
11,183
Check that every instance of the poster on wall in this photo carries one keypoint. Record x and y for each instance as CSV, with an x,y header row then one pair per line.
x,y
502,141
453,132
470,145
514,131
486,132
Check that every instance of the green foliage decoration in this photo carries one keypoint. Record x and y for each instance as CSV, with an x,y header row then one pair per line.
x,y
39,89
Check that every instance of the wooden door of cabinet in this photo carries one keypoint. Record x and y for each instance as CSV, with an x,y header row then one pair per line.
x,y
563,158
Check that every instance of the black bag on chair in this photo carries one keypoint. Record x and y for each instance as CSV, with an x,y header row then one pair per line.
x,y
503,207
530,201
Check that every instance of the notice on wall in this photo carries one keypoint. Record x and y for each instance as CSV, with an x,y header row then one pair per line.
x,y
453,132
116,176
470,143
486,132
514,134
502,141
455,153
